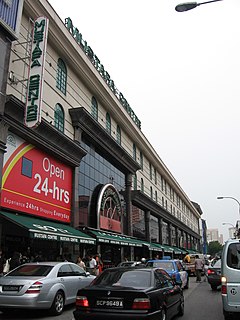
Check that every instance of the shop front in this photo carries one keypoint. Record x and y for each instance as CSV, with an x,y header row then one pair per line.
x,y
53,241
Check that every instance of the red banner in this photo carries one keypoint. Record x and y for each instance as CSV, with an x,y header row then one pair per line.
x,y
36,183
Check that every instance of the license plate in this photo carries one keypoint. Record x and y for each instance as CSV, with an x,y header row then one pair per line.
x,y
112,303
10,288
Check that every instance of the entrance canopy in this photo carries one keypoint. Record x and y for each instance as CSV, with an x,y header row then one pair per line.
x,y
45,229
113,238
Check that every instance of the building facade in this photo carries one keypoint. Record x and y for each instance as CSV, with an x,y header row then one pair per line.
x,y
75,162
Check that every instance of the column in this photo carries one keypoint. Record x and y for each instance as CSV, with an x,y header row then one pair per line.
x,y
147,226
128,201
3,147
170,233
160,223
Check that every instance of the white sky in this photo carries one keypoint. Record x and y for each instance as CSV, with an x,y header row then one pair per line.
x,y
180,73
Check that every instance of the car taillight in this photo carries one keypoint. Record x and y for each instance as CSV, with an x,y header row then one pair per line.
x,y
82,301
224,285
141,304
210,271
35,287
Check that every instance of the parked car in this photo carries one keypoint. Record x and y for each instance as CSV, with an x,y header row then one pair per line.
x,y
130,293
129,263
174,268
231,279
42,285
214,274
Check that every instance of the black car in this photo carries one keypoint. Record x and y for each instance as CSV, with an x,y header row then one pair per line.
x,y
214,274
130,293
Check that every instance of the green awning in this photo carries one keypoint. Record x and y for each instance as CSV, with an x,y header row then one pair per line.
x,y
155,247
167,248
177,250
192,251
45,229
114,238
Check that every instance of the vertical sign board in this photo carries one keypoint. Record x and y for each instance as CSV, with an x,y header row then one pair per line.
x,y
36,73
35,183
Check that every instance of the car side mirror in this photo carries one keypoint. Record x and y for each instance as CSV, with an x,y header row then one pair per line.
x,y
87,274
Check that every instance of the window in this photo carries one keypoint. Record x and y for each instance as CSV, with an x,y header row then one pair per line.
x,y
141,160
59,117
61,76
134,152
156,196
108,123
155,175
151,192
150,170
142,185
135,182
94,108
118,135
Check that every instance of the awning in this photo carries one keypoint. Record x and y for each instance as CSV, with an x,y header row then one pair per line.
x,y
45,229
167,248
114,238
155,247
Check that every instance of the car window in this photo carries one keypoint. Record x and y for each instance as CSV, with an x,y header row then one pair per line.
x,y
167,265
31,270
77,271
162,279
233,256
179,266
65,271
128,278
217,264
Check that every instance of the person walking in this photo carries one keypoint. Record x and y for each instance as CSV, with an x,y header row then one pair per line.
x,y
80,263
92,265
199,268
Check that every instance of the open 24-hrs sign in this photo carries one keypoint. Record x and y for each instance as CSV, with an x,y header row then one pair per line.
x,y
34,182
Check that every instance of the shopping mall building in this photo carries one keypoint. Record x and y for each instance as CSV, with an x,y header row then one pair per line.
x,y
78,175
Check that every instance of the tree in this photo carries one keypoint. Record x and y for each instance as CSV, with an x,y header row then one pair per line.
x,y
214,247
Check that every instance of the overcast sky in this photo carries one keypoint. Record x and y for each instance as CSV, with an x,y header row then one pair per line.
x,y
180,73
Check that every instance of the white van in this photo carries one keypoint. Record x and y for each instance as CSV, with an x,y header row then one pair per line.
x,y
231,278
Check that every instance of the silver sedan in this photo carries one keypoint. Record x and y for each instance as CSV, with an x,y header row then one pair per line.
x,y
42,285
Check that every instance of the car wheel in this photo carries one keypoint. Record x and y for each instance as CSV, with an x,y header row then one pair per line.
x,y
58,304
163,315
214,288
181,308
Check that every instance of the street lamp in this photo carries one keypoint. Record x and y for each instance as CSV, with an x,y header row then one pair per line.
x,y
219,198
191,5
228,223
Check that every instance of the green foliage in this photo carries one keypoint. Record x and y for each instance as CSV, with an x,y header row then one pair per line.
x,y
214,247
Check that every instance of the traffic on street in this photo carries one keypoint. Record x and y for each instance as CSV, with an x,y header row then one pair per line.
x,y
201,302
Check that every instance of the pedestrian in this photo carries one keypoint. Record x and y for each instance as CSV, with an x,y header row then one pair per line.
x,y
80,263
187,258
92,265
2,262
15,261
99,264
199,268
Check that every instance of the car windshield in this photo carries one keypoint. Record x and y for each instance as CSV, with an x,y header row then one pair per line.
x,y
217,264
166,265
30,270
128,278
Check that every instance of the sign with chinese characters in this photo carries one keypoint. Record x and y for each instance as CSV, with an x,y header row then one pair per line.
x,y
36,73
34,182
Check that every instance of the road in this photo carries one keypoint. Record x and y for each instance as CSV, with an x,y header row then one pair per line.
x,y
200,303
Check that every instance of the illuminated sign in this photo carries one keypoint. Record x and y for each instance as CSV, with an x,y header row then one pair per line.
x,y
36,73
34,182
100,68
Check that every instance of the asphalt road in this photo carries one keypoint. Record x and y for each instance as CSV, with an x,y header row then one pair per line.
x,y
201,303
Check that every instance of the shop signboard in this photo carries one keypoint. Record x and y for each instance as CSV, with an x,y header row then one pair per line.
x,y
36,73
34,182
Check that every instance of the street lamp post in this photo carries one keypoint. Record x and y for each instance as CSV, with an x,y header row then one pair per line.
x,y
220,198
191,5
